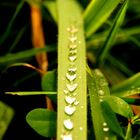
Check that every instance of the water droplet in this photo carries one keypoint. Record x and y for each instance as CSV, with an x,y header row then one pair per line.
x,y
72,29
72,69
104,124
72,87
81,128
65,91
73,52
106,138
70,100
66,137
101,92
71,77
72,58
76,103
79,42
69,110
105,129
72,39
72,46
101,100
68,124
74,94
82,106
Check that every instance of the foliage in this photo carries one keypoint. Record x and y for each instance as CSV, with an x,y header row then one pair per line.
x,y
91,82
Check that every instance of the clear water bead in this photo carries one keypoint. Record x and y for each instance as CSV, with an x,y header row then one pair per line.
x,y
101,92
72,29
72,58
76,103
72,69
69,110
72,87
66,137
72,39
105,129
65,91
68,124
70,100
104,124
71,77
72,46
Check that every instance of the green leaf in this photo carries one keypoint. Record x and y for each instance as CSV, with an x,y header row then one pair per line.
x,y
43,121
119,106
71,54
111,36
52,7
49,81
23,54
97,13
111,119
128,87
6,115
98,89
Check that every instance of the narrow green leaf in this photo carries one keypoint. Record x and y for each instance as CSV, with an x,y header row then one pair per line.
x,y
111,36
8,30
71,72
6,115
43,121
119,106
128,87
111,119
49,81
52,7
96,14
98,89
23,54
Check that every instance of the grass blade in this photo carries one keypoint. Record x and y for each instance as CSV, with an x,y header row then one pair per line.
x,y
23,54
110,38
98,89
96,14
128,87
71,72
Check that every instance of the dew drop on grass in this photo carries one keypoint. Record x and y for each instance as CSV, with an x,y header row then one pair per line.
x,y
72,87
72,46
68,124
105,129
70,100
72,29
66,137
69,110
71,77
101,92
104,124
72,58
81,128
76,103
72,69
73,39
106,138
65,91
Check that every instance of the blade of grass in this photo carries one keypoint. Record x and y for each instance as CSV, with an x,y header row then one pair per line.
x,y
8,30
96,14
23,54
111,36
98,89
130,86
71,25
51,6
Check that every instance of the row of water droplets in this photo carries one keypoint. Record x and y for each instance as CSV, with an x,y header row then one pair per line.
x,y
71,85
